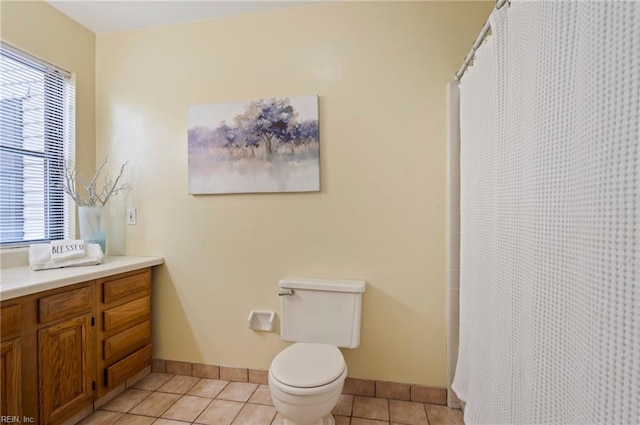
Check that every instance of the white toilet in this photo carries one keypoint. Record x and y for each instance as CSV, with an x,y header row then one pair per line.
x,y
319,315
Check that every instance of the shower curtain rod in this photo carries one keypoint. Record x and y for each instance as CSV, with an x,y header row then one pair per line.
x,y
483,34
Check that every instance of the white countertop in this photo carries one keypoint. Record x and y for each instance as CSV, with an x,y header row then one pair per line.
x,y
18,281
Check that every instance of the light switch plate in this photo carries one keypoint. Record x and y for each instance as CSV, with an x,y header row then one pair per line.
x,y
132,216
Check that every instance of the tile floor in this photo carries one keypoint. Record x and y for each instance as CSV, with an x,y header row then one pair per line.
x,y
164,399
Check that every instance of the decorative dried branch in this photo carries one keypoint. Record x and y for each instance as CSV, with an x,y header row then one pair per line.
x,y
94,197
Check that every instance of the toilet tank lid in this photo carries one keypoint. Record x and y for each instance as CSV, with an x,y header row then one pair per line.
x,y
337,285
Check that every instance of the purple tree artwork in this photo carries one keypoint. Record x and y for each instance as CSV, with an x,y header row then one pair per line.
x,y
266,145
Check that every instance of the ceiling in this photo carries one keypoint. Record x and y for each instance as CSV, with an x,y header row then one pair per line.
x,y
102,16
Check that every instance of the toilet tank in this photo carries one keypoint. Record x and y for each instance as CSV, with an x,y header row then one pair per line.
x,y
324,311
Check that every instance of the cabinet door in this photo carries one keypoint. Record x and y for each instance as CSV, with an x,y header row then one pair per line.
x,y
65,356
10,387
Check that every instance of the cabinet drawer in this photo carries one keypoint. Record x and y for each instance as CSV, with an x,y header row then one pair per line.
x,y
127,341
127,314
10,320
137,284
65,304
127,367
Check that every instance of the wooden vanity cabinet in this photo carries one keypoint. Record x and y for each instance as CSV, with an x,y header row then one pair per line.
x,y
62,349
10,361
48,365
66,347
124,328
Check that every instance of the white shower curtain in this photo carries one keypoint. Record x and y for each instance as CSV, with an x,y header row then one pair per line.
x,y
550,217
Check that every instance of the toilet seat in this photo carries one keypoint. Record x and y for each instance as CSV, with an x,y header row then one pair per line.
x,y
308,365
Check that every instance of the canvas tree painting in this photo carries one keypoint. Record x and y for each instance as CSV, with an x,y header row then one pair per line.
x,y
266,145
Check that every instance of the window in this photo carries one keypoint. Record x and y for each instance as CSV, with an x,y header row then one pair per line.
x,y
37,126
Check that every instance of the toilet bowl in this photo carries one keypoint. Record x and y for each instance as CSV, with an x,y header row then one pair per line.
x,y
317,316
306,380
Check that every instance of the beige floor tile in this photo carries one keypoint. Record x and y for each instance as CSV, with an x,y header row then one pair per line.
x,y
407,412
163,421
220,402
442,415
278,420
152,381
127,400
179,384
101,417
238,391
262,396
371,408
187,409
135,420
342,420
220,412
361,421
255,414
155,405
208,388
344,406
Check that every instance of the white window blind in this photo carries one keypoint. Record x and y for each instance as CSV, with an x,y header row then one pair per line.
x,y
37,136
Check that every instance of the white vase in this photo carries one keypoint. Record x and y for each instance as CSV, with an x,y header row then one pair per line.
x,y
93,225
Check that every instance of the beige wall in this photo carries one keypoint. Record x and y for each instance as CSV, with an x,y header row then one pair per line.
x,y
41,30
380,70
